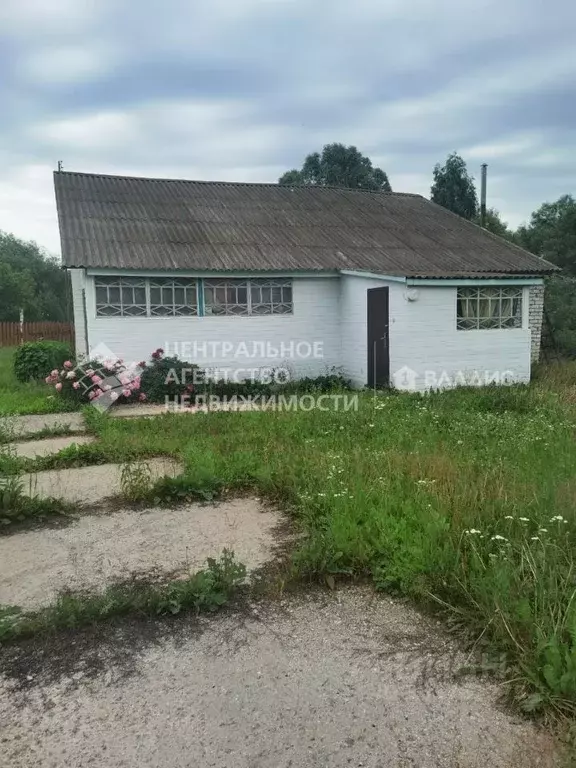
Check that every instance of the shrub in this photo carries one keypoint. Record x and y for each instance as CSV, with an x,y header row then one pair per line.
x,y
166,377
329,382
98,381
35,359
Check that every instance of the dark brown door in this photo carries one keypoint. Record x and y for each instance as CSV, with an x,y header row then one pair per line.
x,y
378,350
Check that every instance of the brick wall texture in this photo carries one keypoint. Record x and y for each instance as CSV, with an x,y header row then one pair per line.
x,y
535,313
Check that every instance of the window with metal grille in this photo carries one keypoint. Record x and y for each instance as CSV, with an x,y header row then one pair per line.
x,y
146,297
120,296
173,297
487,308
254,296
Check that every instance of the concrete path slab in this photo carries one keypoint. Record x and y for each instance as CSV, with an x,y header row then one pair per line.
x,y
31,449
98,549
89,485
20,426
338,681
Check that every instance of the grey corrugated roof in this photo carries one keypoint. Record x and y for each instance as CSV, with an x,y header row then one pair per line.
x,y
138,223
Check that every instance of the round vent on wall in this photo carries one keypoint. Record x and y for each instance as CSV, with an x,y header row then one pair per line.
x,y
411,294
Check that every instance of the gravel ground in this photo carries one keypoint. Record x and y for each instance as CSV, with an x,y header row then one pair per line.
x,y
347,679
33,448
98,549
90,485
19,426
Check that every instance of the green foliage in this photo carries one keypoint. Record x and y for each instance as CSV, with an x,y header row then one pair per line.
x,y
33,281
136,480
83,455
551,233
206,590
338,166
34,360
329,382
453,187
23,397
166,377
171,490
495,225
16,291
560,304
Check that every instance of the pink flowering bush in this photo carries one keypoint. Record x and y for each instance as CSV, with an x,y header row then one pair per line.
x,y
97,381
106,382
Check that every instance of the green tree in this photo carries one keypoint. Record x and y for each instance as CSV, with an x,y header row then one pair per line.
x,y
495,225
16,292
453,187
338,166
551,233
560,303
31,280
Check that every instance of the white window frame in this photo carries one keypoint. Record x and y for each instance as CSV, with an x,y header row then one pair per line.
x,y
115,281
235,309
188,284
485,307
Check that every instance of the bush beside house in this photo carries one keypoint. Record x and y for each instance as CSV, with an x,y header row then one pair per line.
x,y
34,360
161,378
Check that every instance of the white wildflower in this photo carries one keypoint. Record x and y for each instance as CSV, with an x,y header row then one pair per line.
x,y
524,519
542,530
534,538
473,531
497,537
509,517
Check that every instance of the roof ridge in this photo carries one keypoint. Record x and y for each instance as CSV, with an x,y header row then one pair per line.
x,y
232,183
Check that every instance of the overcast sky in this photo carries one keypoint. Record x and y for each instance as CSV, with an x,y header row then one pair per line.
x,y
242,90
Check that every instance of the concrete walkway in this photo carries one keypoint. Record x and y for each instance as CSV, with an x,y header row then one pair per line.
x,y
89,485
31,449
333,681
20,426
96,550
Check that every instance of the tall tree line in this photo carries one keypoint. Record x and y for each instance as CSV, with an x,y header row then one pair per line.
x,y
33,281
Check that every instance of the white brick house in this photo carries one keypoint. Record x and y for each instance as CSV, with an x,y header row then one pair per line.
x,y
245,277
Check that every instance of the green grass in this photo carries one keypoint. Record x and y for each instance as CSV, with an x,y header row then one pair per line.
x,y
392,493
17,509
206,590
463,501
19,398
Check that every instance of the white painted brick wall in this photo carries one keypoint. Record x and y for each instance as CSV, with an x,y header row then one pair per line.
x,y
332,310
316,318
423,336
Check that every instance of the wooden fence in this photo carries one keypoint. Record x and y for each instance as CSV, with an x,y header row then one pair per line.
x,y
12,334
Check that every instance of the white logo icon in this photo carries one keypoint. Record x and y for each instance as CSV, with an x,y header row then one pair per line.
x,y
404,379
105,377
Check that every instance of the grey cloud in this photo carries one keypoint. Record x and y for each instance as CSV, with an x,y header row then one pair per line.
x,y
248,87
